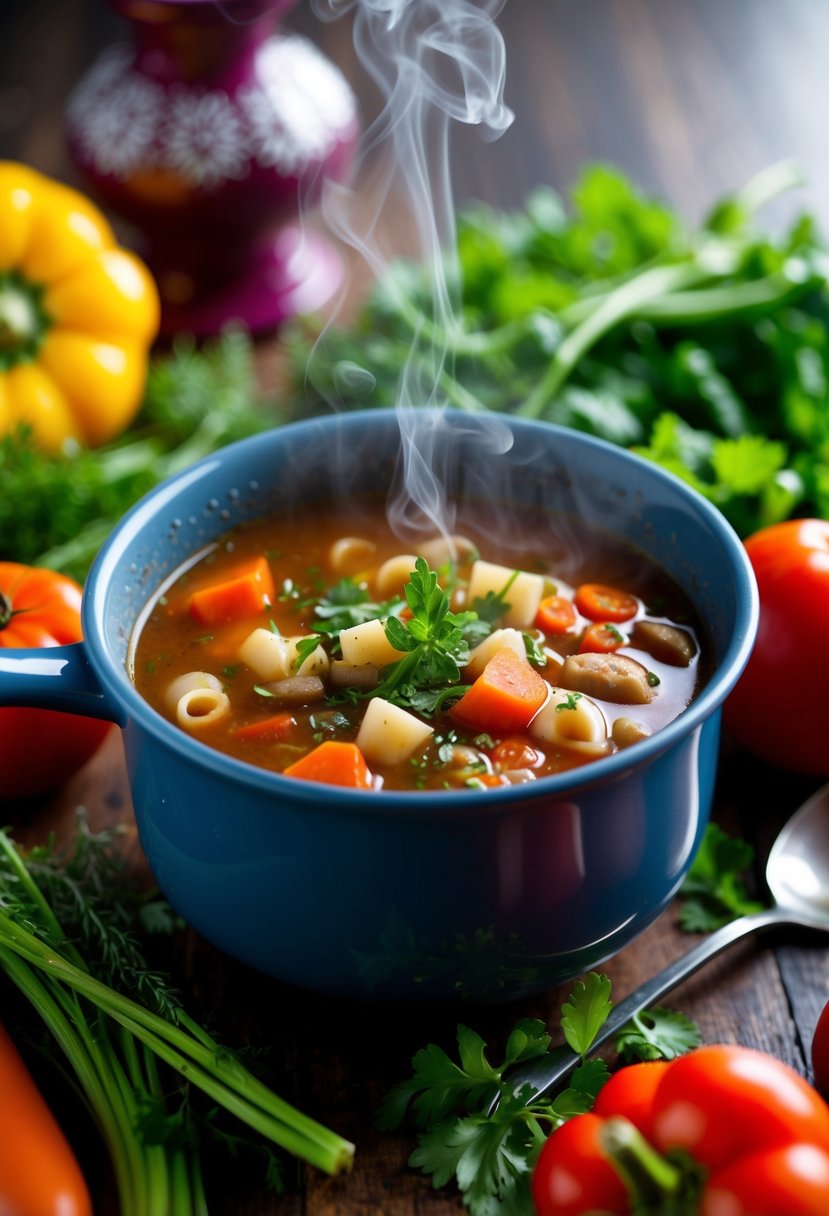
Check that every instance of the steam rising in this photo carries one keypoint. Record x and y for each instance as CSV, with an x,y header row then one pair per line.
x,y
434,62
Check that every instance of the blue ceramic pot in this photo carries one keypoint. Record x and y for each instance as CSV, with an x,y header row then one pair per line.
x,y
483,895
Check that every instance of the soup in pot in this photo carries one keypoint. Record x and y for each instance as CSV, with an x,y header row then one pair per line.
x,y
322,649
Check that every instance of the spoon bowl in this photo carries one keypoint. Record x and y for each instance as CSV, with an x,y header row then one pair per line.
x,y
797,875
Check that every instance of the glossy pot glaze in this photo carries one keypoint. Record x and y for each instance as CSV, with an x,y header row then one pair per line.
x,y
478,895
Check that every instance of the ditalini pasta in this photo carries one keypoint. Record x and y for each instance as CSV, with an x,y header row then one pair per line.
x,y
326,650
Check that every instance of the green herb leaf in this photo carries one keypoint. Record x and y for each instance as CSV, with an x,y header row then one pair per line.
x,y
714,891
586,1011
657,1034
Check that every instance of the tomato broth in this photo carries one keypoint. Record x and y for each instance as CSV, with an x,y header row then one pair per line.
x,y
323,648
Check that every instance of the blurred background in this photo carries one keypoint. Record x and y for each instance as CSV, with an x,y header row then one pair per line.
x,y
689,97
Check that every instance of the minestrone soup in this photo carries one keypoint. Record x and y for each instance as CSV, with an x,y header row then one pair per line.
x,y
320,649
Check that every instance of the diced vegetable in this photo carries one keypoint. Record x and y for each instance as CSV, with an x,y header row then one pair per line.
x,y
278,726
505,697
353,675
556,614
389,734
500,639
367,643
246,593
626,731
599,602
333,763
601,637
521,592
295,690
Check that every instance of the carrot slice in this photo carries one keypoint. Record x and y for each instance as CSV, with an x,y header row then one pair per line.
x,y
599,602
601,638
248,591
505,697
278,726
333,763
556,614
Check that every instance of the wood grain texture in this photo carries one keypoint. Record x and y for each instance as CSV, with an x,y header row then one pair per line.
x,y
690,99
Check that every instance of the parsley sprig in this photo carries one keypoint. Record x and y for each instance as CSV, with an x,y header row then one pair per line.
x,y
489,1152
435,640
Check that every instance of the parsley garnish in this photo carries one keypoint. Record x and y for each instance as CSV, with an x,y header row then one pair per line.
x,y
490,1156
571,701
433,639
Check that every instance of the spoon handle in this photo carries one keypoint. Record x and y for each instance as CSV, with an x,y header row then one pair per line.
x,y
545,1072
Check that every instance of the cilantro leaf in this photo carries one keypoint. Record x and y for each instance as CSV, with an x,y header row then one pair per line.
x,y
657,1034
714,892
586,1011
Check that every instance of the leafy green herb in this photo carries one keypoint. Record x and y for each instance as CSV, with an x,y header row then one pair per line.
x,y
714,891
432,638
492,606
489,1149
570,701
305,647
534,651
657,1034
347,604
704,347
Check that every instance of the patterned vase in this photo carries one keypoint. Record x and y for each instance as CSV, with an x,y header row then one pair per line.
x,y
211,136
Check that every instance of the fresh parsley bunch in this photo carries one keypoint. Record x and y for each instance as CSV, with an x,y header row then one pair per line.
x,y
489,1151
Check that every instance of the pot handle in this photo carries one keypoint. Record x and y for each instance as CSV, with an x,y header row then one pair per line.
x,y
55,677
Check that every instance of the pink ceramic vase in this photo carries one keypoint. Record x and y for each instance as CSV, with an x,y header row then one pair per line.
x,y
211,135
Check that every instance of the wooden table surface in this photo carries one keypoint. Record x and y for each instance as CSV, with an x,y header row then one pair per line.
x,y
690,97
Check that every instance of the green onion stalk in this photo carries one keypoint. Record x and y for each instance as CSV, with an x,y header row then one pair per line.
x,y
112,1046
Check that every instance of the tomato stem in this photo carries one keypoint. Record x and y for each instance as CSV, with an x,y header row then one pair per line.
x,y
650,1179
6,611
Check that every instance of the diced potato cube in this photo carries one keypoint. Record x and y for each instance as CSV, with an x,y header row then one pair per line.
x,y
367,643
389,734
314,664
523,595
499,639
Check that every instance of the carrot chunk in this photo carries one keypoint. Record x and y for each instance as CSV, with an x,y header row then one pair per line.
x,y
505,697
333,763
247,592
278,726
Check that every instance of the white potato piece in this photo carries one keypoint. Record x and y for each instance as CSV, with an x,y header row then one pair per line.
x,y
571,720
499,639
523,595
189,681
200,707
272,656
367,643
393,575
350,554
389,734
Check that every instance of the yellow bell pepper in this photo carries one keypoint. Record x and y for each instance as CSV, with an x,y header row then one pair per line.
x,y
77,315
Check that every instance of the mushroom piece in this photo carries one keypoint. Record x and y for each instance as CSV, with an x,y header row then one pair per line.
x,y
607,677
666,643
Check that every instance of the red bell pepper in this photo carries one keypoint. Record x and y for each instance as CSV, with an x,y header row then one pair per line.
x,y
721,1131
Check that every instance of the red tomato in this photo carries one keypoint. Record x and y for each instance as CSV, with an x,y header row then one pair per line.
x,y
41,748
722,1101
793,1180
572,1175
820,1052
630,1092
778,709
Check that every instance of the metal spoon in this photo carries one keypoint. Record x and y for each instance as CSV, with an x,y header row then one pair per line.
x,y
797,874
